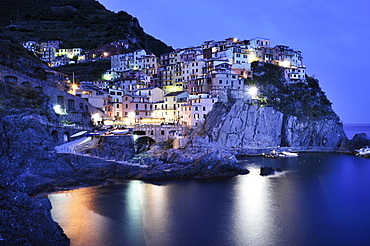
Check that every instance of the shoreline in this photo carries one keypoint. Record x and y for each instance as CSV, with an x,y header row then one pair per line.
x,y
116,181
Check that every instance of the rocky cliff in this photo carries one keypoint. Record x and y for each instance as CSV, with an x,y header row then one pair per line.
x,y
243,125
283,115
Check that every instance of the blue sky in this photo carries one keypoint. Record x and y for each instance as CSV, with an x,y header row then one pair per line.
x,y
332,35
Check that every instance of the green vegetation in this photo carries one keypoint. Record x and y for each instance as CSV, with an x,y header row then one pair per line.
x,y
86,71
78,23
299,99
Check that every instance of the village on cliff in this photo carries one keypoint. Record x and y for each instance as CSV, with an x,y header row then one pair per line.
x,y
178,88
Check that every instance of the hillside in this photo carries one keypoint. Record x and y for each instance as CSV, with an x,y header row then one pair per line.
x,y
78,23
297,99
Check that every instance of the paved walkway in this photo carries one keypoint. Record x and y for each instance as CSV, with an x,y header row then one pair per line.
x,y
70,147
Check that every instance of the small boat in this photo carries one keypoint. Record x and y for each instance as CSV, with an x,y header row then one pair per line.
x,y
288,154
275,154
272,154
363,152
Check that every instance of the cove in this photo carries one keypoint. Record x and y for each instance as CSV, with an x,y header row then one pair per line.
x,y
318,199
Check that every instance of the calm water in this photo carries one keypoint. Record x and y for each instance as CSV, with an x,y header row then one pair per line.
x,y
320,199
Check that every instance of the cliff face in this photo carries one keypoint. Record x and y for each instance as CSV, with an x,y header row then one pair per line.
x,y
283,114
243,125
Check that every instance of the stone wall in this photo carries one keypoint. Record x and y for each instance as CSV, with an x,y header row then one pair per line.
x,y
119,148
55,90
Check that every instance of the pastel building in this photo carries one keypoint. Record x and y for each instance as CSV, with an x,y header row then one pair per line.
x,y
169,108
196,109
138,108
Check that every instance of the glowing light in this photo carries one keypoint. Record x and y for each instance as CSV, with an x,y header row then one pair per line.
x,y
284,63
173,88
58,109
131,115
253,92
106,77
106,54
96,117
252,58
74,88
108,122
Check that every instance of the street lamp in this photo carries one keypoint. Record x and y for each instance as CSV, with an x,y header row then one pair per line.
x,y
253,92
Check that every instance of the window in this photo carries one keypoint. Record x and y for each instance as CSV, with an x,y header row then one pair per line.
x,y
220,81
126,105
204,108
196,108
126,114
117,106
136,112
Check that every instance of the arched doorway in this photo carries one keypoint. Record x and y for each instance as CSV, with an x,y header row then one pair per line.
x,y
66,137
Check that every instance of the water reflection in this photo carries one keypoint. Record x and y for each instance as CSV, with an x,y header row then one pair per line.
x,y
73,212
320,199
251,213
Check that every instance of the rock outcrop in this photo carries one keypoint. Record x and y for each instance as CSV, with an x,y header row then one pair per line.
x,y
28,221
120,148
243,125
359,140
174,164
266,171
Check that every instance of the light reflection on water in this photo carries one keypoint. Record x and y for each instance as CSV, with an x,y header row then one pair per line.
x,y
320,199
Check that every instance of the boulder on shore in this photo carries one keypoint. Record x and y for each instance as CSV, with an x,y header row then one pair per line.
x,y
180,164
360,140
265,171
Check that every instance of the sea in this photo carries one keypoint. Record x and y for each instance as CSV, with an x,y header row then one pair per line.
x,y
352,129
318,199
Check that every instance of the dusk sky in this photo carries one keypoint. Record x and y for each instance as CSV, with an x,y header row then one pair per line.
x,y
333,36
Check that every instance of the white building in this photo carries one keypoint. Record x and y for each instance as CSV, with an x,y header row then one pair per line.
x,y
32,46
123,62
295,74
70,53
